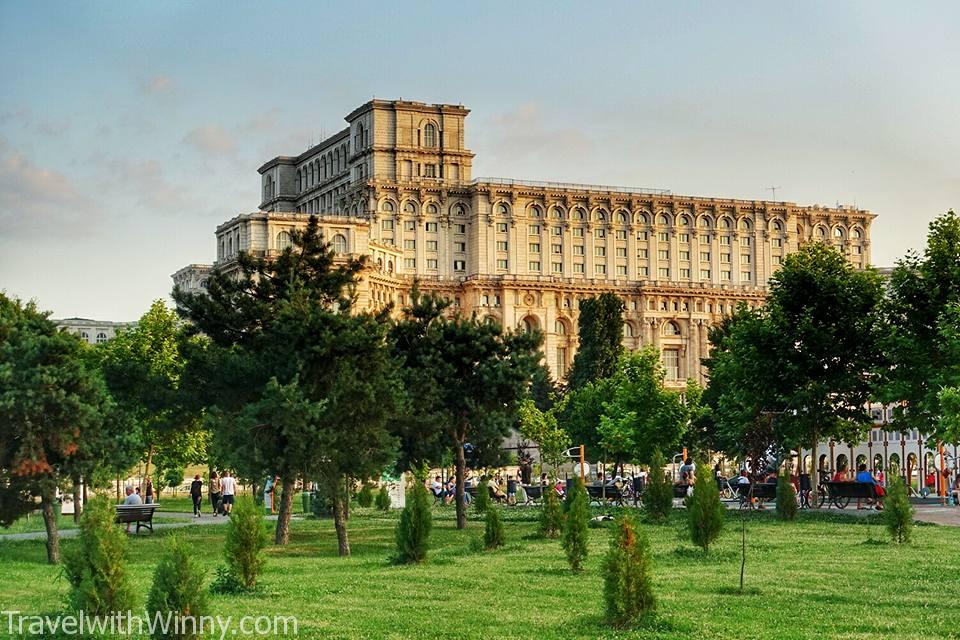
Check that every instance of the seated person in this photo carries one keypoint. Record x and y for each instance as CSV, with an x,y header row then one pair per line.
x,y
840,475
544,481
496,491
770,477
558,487
599,481
437,487
866,477
743,478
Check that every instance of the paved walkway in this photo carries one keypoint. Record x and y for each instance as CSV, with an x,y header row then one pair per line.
x,y
934,513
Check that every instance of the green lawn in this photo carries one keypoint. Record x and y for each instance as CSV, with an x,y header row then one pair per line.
x,y
819,577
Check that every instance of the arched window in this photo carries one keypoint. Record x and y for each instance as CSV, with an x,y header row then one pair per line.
x,y
530,324
579,214
559,328
432,209
229,246
622,217
662,220
85,336
683,221
283,240
821,232
429,135
358,137
503,210
704,222
601,216
409,207
386,206
535,211
101,337
642,218
459,210
670,329
725,223
556,213
777,226
745,224
856,234
627,330
389,266
339,243
299,180
838,233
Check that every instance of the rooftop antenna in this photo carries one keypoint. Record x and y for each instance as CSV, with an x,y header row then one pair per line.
x,y
773,192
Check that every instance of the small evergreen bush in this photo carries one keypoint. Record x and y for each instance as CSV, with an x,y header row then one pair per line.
x,y
365,496
627,588
178,590
413,530
242,549
95,566
576,528
382,500
898,512
482,501
551,514
786,497
658,496
493,531
705,512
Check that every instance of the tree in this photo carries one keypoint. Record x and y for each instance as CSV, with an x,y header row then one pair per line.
x,y
786,497
601,339
465,378
493,529
413,530
898,512
705,512
243,545
382,500
551,515
576,532
177,591
541,427
317,381
482,503
50,401
923,312
658,496
627,585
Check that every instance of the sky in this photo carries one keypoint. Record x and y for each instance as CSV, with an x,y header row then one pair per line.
x,y
130,130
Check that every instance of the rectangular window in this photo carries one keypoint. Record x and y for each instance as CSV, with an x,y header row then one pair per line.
x,y
745,276
578,249
777,260
501,227
745,241
777,242
459,265
409,225
663,236
704,256
533,230
745,258
459,228
431,263
621,269
643,271
578,267
431,227
409,244
704,239
621,234
664,272
561,362
704,274
409,263
685,274
460,247
671,364
502,245
641,235
557,231
621,252
642,253
387,225
534,266
600,269
430,171
556,267
685,255
725,240
663,254
578,232
684,237
600,233
600,251
725,275
502,265
556,248
534,247
725,258
431,245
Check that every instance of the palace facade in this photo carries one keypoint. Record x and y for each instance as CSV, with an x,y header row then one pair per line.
x,y
396,186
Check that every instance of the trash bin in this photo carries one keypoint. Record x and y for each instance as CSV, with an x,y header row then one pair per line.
x,y
305,497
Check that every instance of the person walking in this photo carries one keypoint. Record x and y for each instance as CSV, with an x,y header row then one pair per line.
x,y
149,491
215,492
196,492
229,488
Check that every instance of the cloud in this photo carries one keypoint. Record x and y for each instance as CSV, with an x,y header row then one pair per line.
x,y
211,140
36,201
159,84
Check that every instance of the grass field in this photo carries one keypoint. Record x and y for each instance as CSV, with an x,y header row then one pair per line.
x,y
818,577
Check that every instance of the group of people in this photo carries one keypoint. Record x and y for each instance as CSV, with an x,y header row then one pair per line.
x,y
222,492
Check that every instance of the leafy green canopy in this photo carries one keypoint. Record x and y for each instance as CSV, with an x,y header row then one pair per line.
x,y
600,340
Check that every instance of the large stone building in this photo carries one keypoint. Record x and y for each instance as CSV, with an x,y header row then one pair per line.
x,y
396,185
93,331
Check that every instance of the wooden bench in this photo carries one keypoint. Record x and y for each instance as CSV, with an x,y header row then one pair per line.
x,y
142,514
842,492
605,494
534,493
680,491
760,491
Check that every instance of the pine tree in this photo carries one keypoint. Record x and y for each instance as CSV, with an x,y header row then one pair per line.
x,y
898,511
627,588
383,499
705,512
178,590
575,531
658,497
95,566
365,496
786,497
482,502
244,543
551,514
493,530
413,530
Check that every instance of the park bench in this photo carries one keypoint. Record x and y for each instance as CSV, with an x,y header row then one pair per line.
x,y
761,491
842,492
534,493
680,491
142,514
605,494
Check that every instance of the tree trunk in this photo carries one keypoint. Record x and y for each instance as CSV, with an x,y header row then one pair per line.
x,y
77,508
282,535
461,475
146,471
814,475
50,521
340,505
85,498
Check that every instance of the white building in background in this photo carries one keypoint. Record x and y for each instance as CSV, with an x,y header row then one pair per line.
x,y
93,331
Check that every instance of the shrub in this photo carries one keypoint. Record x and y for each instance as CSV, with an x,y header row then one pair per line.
x,y
178,590
627,589
898,511
482,501
786,497
705,511
551,515
382,500
95,566
493,531
575,530
365,496
658,496
413,530
242,548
